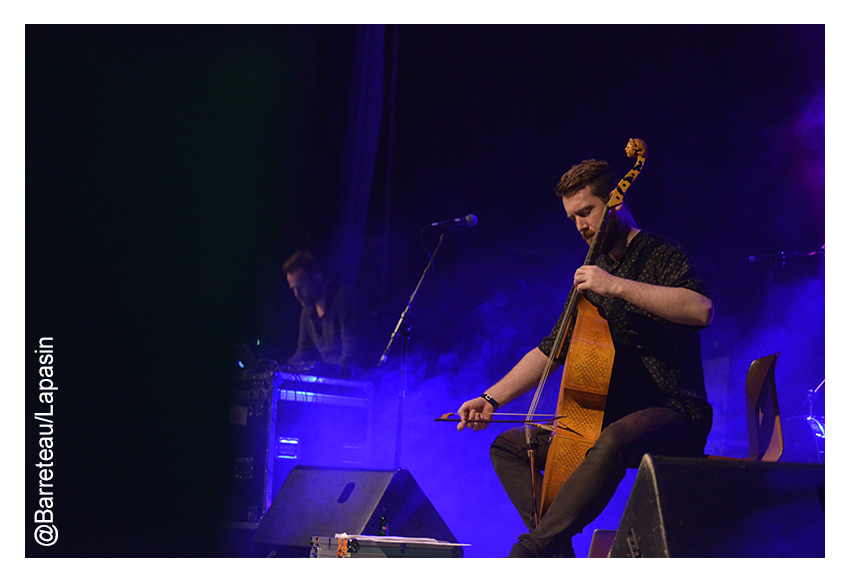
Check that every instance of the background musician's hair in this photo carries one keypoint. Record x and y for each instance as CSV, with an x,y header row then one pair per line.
x,y
302,260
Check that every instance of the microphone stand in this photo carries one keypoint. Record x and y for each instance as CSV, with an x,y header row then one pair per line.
x,y
403,329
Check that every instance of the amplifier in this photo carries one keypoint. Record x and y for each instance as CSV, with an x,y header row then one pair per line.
x,y
322,422
251,430
278,421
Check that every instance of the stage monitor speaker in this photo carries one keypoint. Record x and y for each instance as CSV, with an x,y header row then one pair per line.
x,y
317,501
699,508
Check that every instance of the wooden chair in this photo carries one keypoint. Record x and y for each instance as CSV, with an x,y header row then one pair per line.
x,y
764,428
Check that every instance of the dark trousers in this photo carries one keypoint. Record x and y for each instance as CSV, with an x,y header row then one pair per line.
x,y
621,445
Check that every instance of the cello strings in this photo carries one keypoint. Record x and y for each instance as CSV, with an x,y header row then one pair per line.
x,y
565,324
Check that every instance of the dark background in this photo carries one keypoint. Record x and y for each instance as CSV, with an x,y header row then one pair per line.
x,y
170,170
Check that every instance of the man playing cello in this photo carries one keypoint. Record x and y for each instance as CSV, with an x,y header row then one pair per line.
x,y
655,304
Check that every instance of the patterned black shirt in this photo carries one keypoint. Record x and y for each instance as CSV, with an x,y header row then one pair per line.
x,y
657,362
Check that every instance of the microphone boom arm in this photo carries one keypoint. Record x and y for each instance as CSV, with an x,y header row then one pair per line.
x,y
402,320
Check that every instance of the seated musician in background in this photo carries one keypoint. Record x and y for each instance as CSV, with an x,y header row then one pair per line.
x,y
337,332
655,304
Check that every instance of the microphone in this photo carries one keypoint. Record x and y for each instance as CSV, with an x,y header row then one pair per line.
x,y
468,220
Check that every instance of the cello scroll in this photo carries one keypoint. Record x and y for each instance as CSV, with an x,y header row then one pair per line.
x,y
635,148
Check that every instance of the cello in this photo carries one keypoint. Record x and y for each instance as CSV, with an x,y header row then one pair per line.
x,y
587,369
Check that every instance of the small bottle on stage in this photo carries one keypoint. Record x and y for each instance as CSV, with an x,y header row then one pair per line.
x,y
384,531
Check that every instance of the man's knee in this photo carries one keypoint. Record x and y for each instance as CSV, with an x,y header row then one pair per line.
x,y
510,443
610,443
